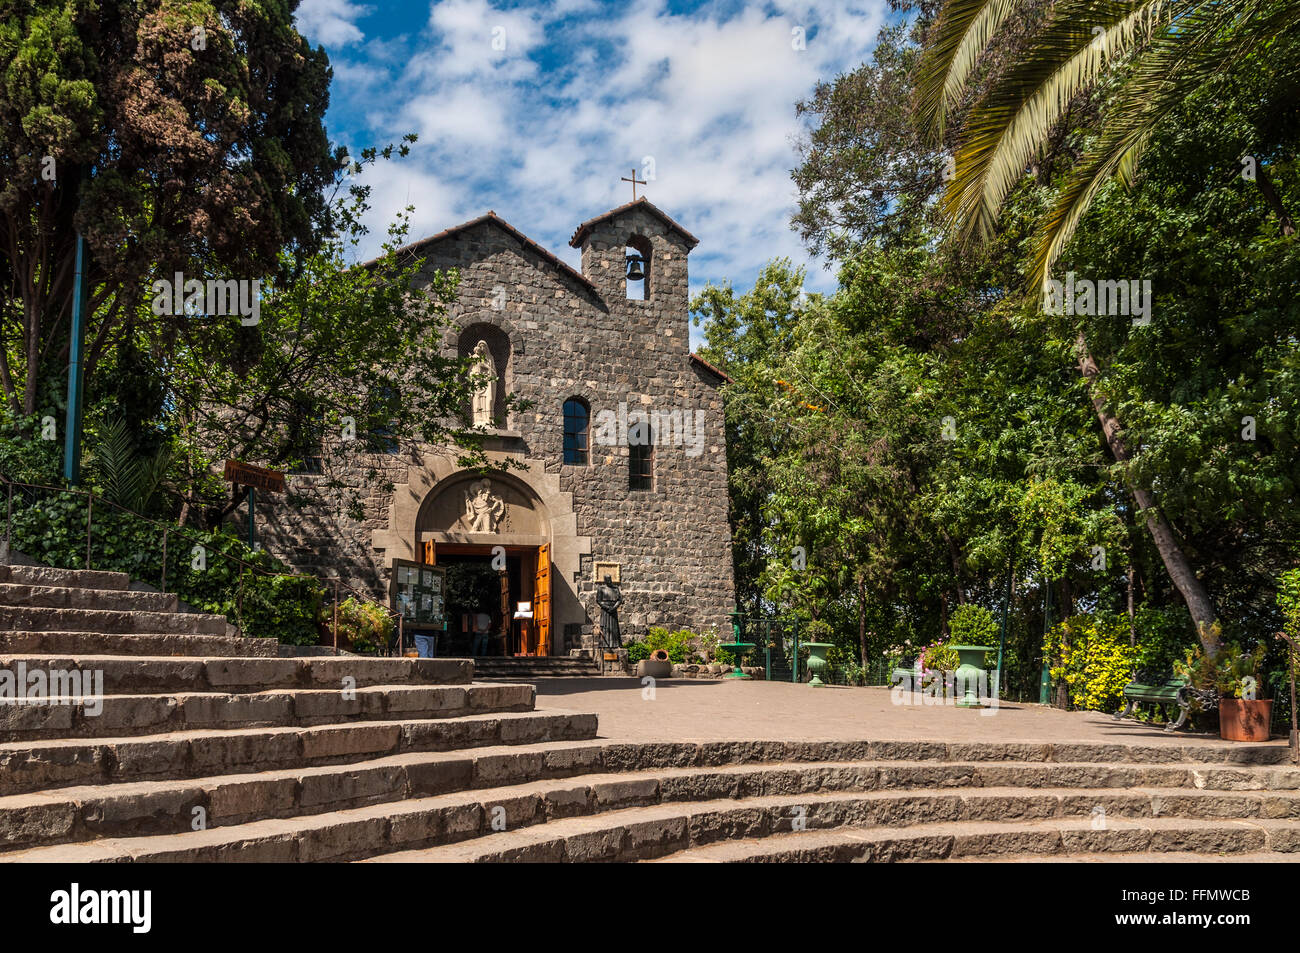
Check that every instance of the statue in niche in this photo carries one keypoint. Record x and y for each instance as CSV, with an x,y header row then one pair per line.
x,y
609,597
485,391
483,509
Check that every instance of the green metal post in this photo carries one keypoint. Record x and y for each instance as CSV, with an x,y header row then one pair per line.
x,y
794,662
252,533
1006,607
72,422
1045,683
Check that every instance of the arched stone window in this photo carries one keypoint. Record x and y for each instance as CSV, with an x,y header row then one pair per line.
x,y
577,431
638,260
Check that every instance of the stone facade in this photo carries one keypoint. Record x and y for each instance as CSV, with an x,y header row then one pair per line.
x,y
555,334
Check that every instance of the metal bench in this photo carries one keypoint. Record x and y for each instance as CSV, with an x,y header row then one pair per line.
x,y
1172,692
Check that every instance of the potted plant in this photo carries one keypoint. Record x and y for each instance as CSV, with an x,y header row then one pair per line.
x,y
656,665
1243,716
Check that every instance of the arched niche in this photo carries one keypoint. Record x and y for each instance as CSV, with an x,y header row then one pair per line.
x,y
498,342
473,508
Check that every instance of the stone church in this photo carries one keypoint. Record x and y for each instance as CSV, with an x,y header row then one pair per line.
x,y
622,444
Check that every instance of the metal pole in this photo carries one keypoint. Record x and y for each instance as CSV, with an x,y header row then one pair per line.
x,y
1294,739
794,666
1045,684
336,617
1295,734
252,534
163,584
90,506
72,424
1006,607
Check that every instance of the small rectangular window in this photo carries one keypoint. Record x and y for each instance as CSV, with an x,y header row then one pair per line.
x,y
576,418
641,467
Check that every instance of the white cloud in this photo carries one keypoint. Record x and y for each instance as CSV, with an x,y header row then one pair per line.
x,y
330,23
543,129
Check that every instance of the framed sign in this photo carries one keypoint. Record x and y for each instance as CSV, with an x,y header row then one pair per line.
x,y
418,593
601,570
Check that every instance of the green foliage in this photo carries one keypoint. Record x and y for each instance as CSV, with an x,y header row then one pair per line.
x,y
260,597
1092,655
1236,665
972,625
1164,633
168,157
130,478
364,627
1288,599
940,657
678,644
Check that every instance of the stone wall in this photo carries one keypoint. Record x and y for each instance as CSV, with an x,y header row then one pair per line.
x,y
568,336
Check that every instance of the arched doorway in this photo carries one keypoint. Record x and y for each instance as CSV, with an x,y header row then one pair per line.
x,y
492,534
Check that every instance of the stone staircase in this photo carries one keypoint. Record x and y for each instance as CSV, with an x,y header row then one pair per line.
x,y
200,732
211,748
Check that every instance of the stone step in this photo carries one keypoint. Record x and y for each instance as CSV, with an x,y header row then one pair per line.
x,y
555,667
1163,838
30,766
148,674
539,783
1131,857
67,597
153,807
764,828
37,618
50,576
136,643
131,715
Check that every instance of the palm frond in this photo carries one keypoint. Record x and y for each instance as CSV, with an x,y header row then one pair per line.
x,y
962,34
1015,119
1207,41
117,460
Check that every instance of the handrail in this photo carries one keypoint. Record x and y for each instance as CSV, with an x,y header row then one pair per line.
x,y
167,528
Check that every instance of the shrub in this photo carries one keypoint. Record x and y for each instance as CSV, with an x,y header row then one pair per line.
x,y
677,644
1163,635
1092,656
364,626
972,625
264,600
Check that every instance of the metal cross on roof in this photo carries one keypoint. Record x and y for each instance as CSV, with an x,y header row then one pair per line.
x,y
635,182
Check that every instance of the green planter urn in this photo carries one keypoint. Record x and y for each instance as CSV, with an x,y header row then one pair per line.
x,y
817,661
971,668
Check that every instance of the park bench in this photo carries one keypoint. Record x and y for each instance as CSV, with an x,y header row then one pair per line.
x,y
1172,692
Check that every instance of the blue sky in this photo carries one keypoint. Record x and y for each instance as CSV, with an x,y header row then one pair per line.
x,y
535,110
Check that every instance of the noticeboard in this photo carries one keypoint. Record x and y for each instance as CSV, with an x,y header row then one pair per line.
x,y
418,593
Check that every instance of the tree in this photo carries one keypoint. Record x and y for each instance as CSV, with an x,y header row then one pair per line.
x,y
1143,59
172,135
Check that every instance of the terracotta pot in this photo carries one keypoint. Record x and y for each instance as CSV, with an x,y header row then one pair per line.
x,y
1242,720
659,655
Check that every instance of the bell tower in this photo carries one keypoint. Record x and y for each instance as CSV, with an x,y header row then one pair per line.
x,y
636,255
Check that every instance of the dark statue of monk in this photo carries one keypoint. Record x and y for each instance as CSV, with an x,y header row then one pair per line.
x,y
609,598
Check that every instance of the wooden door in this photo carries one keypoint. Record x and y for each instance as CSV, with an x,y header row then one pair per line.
x,y
431,553
542,600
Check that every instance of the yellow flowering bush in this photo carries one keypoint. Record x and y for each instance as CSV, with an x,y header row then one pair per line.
x,y
1091,654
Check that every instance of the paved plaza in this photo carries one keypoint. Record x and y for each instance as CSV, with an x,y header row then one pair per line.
x,y
709,710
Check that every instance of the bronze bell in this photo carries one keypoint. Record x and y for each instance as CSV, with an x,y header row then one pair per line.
x,y
634,269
